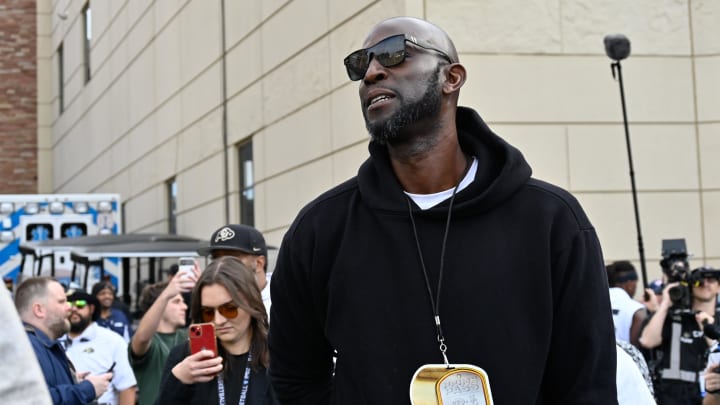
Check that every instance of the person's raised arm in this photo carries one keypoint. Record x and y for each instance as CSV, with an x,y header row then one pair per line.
x,y
651,335
150,321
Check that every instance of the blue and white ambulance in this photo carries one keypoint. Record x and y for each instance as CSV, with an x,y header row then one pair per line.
x,y
42,217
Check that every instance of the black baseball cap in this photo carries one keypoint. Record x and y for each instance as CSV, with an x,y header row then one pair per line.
x,y
243,238
80,295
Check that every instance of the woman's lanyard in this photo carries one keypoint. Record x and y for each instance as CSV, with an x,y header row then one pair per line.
x,y
245,385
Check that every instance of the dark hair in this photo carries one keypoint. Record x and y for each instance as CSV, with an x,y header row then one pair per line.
x,y
620,272
239,281
101,285
150,293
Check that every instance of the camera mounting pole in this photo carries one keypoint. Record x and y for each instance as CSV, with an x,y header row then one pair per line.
x,y
617,47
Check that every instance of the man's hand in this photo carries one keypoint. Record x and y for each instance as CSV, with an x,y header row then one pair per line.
x,y
181,283
652,303
100,382
712,379
666,302
701,317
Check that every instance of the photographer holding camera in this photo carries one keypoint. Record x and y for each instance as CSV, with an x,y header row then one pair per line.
x,y
681,329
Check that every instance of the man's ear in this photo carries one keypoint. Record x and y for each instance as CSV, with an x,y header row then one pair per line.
x,y
262,263
454,78
38,310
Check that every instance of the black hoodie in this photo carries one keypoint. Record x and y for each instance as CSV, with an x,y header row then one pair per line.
x,y
524,293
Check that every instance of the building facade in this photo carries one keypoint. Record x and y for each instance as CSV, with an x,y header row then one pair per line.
x,y
201,112
18,97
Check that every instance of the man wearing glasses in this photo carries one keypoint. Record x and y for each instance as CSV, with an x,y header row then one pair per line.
x,y
98,350
442,251
44,309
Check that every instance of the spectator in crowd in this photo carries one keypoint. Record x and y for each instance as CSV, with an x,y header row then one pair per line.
x,y
628,314
637,356
676,337
631,386
160,329
443,249
111,317
43,307
247,244
228,296
97,350
21,380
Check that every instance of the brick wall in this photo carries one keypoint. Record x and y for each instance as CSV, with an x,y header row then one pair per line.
x,y
18,97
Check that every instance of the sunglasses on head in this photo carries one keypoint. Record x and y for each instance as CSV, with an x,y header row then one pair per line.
x,y
228,310
388,52
79,304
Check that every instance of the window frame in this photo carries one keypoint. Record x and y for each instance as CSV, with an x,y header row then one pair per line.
x,y
87,38
246,179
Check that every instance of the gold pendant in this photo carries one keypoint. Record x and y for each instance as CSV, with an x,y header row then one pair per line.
x,y
440,384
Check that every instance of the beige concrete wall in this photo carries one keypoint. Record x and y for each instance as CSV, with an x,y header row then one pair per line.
x,y
537,73
45,113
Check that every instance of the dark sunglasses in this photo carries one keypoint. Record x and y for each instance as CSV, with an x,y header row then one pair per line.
x,y
388,52
706,278
227,310
79,304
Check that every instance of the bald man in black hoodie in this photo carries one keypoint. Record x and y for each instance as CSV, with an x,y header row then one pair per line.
x,y
443,249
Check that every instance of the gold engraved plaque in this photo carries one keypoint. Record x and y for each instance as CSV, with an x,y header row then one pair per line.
x,y
455,384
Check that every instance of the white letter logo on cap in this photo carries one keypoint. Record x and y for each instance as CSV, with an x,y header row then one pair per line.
x,y
225,234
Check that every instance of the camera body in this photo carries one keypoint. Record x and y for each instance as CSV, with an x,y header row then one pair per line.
x,y
676,268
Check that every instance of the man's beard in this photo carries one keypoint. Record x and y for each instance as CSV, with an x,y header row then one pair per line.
x,y
79,326
391,130
59,327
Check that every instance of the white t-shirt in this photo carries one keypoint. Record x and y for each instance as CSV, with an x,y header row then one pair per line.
x,y
265,293
425,201
95,350
623,310
631,387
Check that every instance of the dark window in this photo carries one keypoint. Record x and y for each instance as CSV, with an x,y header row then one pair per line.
x,y
247,184
122,215
73,230
172,206
61,79
87,36
38,232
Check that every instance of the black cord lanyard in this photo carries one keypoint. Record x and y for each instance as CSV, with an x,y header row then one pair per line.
x,y
435,302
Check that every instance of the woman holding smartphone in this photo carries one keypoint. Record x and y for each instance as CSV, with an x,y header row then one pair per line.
x,y
226,296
